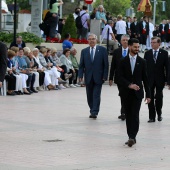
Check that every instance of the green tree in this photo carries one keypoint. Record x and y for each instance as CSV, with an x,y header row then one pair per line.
x,y
115,7
69,27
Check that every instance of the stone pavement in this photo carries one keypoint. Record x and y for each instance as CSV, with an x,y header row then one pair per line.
x,y
51,131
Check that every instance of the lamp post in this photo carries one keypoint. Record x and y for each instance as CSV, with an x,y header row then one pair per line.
x,y
15,18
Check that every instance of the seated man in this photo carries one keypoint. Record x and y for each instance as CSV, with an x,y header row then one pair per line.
x,y
18,43
111,38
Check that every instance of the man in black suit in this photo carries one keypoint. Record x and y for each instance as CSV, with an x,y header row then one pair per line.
x,y
3,62
162,32
157,69
18,43
118,54
143,33
134,27
132,76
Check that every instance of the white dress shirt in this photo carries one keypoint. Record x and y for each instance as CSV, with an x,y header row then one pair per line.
x,y
121,27
132,62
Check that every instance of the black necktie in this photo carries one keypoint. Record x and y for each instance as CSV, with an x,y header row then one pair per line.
x,y
91,54
154,56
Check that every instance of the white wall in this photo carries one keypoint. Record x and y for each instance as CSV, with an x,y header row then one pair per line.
x,y
23,21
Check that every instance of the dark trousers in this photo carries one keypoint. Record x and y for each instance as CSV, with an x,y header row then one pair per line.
x,y
132,106
53,21
65,71
41,78
143,38
156,101
119,38
93,92
71,78
11,81
163,37
75,78
30,80
122,110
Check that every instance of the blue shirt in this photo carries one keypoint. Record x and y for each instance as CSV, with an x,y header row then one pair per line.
x,y
67,44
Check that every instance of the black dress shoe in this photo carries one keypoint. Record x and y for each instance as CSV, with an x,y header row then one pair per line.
x,y
33,90
126,143
122,117
17,92
29,90
160,118
11,94
151,120
131,142
27,93
93,116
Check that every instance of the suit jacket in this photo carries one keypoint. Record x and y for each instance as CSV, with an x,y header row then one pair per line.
x,y
134,28
98,69
161,28
16,45
141,27
157,73
167,28
3,61
117,56
139,77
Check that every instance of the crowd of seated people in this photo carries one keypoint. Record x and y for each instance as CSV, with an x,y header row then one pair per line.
x,y
30,71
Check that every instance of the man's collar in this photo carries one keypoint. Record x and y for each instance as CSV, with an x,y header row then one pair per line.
x,y
125,48
133,56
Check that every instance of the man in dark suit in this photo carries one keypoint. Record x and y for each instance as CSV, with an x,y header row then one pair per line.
x,y
18,43
94,64
162,32
118,54
132,76
134,27
3,62
143,33
157,68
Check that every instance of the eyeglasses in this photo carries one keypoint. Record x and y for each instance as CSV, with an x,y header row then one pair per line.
x,y
91,39
154,42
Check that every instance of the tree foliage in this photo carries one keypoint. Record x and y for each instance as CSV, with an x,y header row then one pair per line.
x,y
115,7
69,27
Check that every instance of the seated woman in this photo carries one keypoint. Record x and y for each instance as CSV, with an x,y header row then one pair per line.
x,y
66,42
64,58
9,77
47,79
20,78
49,68
22,66
33,67
56,61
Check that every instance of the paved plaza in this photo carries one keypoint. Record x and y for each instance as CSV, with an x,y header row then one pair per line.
x,y
51,131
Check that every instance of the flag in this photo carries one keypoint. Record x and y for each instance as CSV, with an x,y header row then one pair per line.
x,y
141,6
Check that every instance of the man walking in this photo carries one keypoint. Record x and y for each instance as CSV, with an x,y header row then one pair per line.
x,y
94,66
157,68
3,62
118,54
132,76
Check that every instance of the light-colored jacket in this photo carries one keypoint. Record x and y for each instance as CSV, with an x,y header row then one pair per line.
x,y
66,62
42,60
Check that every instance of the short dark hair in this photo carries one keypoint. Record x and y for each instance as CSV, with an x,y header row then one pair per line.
x,y
157,38
132,41
66,50
84,7
67,35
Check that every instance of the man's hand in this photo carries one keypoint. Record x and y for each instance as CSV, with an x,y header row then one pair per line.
x,y
54,15
147,100
80,79
0,84
110,82
134,87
